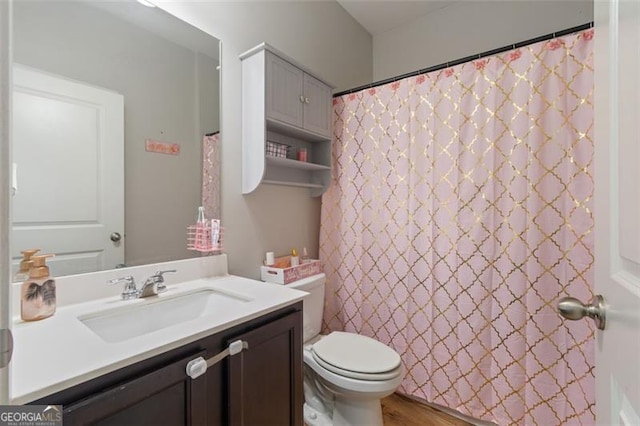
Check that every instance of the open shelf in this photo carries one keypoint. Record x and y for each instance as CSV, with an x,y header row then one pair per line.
x,y
289,183
294,164
289,130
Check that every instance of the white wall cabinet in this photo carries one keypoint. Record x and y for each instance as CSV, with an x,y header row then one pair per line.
x,y
283,102
297,98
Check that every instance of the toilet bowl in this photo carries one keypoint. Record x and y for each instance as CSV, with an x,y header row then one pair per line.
x,y
346,374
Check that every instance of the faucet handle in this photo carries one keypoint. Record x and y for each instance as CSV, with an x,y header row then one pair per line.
x,y
129,291
162,287
168,271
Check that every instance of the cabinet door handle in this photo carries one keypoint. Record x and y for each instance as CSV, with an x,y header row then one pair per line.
x,y
301,98
197,367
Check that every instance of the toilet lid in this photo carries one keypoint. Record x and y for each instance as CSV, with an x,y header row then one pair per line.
x,y
356,353
388,375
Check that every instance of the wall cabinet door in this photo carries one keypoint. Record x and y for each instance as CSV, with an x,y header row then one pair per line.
x,y
164,396
284,86
265,381
317,106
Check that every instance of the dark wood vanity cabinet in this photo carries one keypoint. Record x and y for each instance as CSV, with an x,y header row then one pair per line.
x,y
164,396
265,382
262,385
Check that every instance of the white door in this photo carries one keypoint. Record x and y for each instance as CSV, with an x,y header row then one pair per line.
x,y
617,213
68,151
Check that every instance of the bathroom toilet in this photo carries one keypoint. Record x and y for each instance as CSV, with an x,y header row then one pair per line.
x,y
345,374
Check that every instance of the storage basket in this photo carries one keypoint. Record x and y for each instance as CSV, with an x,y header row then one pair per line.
x,y
291,274
199,239
275,149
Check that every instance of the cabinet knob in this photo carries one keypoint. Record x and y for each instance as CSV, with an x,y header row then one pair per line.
x,y
306,100
301,98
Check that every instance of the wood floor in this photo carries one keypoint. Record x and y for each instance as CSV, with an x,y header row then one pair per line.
x,y
398,410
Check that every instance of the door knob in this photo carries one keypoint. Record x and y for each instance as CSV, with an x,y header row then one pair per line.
x,y
573,309
115,237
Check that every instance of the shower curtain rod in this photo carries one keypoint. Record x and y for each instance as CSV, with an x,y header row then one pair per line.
x,y
469,58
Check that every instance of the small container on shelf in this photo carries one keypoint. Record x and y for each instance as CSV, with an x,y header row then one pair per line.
x,y
302,154
305,256
270,259
275,149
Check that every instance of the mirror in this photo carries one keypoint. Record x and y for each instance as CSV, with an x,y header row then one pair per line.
x,y
112,105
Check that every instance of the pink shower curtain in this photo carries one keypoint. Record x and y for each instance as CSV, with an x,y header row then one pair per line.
x,y
211,175
460,212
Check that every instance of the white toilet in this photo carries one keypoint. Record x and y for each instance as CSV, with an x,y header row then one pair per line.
x,y
345,374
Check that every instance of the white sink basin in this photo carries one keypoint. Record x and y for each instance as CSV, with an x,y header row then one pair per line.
x,y
126,322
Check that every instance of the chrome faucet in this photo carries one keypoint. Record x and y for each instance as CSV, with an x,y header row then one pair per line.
x,y
152,285
155,284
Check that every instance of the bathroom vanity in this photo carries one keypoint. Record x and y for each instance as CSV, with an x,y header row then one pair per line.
x,y
261,385
106,373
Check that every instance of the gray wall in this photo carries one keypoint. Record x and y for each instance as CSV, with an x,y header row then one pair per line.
x,y
162,95
465,28
321,36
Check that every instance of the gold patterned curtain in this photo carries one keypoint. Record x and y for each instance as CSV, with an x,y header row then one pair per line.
x,y
460,212
211,175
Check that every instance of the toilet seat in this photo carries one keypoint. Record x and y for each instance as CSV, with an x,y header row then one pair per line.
x,y
356,356
356,375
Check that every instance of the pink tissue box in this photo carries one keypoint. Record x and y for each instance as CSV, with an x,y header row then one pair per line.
x,y
289,275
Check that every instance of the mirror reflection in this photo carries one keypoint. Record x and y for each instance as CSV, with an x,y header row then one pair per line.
x,y
114,105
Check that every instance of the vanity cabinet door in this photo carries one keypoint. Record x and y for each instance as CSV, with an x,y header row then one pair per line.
x,y
166,396
265,381
284,87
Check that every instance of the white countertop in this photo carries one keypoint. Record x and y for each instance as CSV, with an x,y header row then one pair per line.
x,y
60,352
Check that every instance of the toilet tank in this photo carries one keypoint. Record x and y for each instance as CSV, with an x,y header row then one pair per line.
x,y
313,304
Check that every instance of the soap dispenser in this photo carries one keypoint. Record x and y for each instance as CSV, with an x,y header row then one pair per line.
x,y
38,293
25,265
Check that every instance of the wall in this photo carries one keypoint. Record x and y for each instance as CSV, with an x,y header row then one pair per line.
x,y
323,37
162,99
468,27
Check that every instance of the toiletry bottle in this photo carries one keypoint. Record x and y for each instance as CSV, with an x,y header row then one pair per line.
x,y
295,260
38,293
270,259
201,237
23,274
305,256
201,219
215,233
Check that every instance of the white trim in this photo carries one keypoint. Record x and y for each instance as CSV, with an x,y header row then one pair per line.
x,y
5,181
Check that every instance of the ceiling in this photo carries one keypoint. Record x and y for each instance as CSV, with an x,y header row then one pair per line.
x,y
378,16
